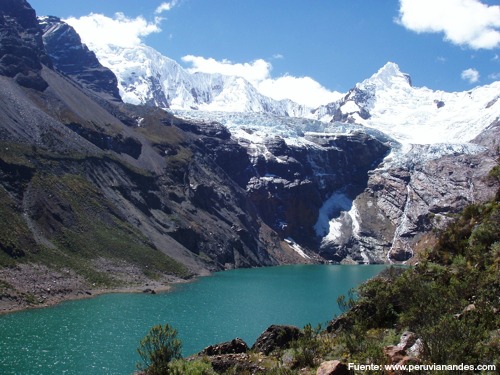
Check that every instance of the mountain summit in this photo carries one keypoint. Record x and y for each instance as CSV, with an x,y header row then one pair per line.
x,y
386,101
147,77
73,58
388,76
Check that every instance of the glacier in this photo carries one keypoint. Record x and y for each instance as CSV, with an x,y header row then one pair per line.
x,y
386,102
417,123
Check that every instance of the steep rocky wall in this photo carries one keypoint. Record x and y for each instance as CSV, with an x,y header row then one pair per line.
x,y
74,59
400,205
288,184
21,49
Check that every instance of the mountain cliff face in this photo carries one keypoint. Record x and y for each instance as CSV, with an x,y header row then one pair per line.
x,y
74,59
21,51
288,183
437,165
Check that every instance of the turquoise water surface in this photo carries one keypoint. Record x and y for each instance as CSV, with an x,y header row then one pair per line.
x,y
100,335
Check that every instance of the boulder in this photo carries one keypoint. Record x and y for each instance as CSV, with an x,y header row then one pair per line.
x,y
235,346
332,368
394,353
417,350
407,340
276,337
408,351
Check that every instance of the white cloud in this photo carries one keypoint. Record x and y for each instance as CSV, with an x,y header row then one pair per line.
x,y
166,6
303,90
494,76
253,72
99,30
471,75
463,22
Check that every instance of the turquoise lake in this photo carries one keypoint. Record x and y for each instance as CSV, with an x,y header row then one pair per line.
x,y
100,335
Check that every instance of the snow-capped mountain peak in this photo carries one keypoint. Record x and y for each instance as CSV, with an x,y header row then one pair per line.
x,y
147,77
388,76
386,101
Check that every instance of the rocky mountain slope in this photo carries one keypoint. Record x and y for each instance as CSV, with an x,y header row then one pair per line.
x,y
97,193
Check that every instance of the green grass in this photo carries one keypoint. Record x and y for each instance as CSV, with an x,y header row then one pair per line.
x,y
91,228
15,237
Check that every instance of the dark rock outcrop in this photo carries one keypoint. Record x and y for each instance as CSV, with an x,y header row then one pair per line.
x,y
276,337
118,143
237,363
70,56
235,346
332,368
21,48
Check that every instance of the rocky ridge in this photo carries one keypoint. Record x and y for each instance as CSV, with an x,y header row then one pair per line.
x,y
22,52
74,59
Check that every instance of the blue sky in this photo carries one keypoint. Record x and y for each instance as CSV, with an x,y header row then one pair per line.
x,y
451,45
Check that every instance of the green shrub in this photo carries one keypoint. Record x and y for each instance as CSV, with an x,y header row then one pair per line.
x,y
158,349
307,349
449,299
182,367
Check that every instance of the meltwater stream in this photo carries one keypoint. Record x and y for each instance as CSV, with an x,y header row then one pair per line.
x,y
100,335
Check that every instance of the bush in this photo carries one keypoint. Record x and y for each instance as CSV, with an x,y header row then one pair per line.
x,y
181,367
158,348
307,348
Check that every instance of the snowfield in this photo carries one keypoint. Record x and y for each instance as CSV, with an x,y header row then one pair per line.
x,y
386,105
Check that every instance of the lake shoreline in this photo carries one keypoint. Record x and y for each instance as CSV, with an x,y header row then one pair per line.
x,y
45,293
23,300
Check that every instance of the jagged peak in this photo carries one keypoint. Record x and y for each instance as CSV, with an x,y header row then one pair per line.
x,y
387,76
